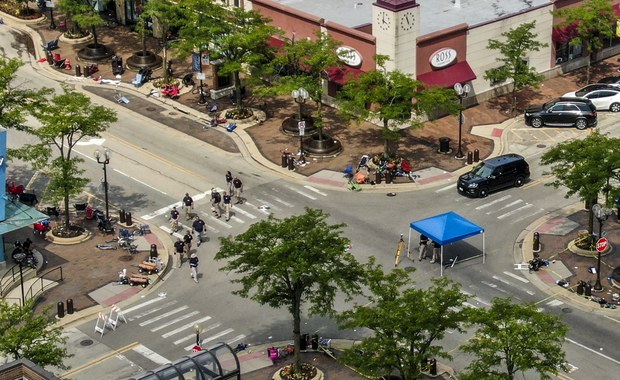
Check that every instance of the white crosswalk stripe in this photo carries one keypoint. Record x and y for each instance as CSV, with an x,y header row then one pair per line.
x,y
191,336
162,316
315,190
151,311
211,338
185,327
302,193
176,320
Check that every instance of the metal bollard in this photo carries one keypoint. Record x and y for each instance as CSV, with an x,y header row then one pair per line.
x,y
128,220
70,308
580,288
303,344
536,242
469,158
60,307
388,177
153,252
122,216
78,71
587,289
291,163
378,178
284,160
476,155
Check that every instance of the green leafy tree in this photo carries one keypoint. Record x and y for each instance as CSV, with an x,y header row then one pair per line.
x,y
393,98
586,168
293,262
407,323
519,42
168,16
595,19
67,119
514,338
24,334
16,101
308,63
236,37
82,14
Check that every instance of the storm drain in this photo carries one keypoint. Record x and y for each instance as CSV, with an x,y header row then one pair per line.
x,y
86,342
567,310
151,109
541,146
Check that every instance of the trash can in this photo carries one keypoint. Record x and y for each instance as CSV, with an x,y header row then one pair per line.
x,y
378,178
444,145
587,289
388,177
117,65
284,160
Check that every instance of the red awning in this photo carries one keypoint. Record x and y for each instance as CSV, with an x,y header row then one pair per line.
x,y
275,42
460,72
617,9
341,75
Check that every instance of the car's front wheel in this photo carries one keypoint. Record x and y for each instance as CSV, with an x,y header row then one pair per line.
x,y
581,124
483,192
615,107
537,122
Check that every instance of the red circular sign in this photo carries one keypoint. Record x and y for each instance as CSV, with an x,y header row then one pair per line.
x,y
602,244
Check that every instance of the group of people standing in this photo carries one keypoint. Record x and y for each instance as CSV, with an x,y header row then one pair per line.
x,y
182,247
234,188
424,247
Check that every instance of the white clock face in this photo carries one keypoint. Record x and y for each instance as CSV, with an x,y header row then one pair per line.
x,y
383,20
407,21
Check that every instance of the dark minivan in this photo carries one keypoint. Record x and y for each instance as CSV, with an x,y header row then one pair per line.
x,y
494,174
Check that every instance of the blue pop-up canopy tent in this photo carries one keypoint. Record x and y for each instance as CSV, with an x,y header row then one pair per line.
x,y
447,228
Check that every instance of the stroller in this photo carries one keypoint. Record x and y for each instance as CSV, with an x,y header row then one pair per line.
x,y
103,223
143,76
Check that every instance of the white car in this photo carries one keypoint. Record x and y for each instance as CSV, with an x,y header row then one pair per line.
x,y
604,100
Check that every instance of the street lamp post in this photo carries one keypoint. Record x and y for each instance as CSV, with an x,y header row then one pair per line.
x,y
105,161
601,214
462,92
19,257
300,96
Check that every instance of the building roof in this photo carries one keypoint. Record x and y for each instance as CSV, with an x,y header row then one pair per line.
x,y
436,15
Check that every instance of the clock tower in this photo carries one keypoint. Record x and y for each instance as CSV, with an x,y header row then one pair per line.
x,y
396,26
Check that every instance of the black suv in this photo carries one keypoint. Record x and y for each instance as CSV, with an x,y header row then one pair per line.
x,y
494,174
562,112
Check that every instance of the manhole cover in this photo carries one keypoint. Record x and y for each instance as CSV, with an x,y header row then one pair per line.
x,y
151,109
567,310
541,146
172,113
86,342
125,258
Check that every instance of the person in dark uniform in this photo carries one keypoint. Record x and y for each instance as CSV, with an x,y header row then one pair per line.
x,y
422,247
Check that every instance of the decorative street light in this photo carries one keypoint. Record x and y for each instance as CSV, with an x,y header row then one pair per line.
x,y
300,96
19,257
462,92
601,214
105,161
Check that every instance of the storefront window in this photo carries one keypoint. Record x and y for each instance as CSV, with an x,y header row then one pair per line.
x,y
565,52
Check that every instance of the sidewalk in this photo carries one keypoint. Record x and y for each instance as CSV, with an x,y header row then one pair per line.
x,y
263,144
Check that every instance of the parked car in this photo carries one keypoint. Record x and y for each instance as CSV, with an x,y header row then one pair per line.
x,y
589,88
494,174
563,112
614,81
603,100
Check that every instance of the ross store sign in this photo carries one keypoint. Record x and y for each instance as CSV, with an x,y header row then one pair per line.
x,y
443,57
349,56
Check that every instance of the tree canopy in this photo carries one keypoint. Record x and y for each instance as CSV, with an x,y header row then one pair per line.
x,y
236,37
292,262
514,338
65,120
594,20
519,42
407,323
305,63
394,98
24,334
16,101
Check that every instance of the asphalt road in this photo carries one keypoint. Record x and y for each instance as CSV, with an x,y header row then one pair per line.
x,y
152,167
